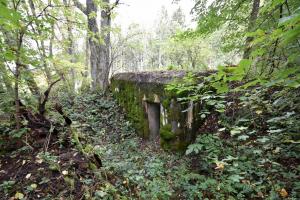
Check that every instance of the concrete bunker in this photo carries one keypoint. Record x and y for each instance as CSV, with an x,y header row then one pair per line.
x,y
156,113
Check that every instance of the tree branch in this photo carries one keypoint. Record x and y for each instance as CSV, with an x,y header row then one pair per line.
x,y
114,5
42,105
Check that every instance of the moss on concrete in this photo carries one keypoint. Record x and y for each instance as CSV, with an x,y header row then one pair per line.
x,y
133,95
130,98
166,133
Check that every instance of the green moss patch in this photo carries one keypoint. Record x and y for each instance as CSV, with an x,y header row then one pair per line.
x,y
166,133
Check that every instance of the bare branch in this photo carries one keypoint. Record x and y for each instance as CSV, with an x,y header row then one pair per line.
x,y
114,5
42,105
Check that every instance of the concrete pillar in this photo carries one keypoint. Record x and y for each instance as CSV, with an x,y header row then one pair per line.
x,y
173,118
153,110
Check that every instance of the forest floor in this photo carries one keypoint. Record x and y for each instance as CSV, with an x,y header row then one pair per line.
x,y
101,157
129,168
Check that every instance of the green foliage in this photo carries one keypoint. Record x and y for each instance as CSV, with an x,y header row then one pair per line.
x,y
245,158
210,144
51,160
264,138
229,16
9,18
258,126
6,186
18,133
166,133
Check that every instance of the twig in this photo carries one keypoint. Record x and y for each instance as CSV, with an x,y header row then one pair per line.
x,y
28,144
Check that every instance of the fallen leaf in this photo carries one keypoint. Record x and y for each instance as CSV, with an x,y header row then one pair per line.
x,y
65,172
259,112
39,161
283,193
28,176
277,150
220,166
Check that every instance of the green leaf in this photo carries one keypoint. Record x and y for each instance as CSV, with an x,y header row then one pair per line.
x,y
9,16
235,132
263,139
193,148
235,178
100,194
243,137
221,87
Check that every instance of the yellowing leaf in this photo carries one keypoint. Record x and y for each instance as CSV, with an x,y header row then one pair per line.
x,y
33,186
39,161
220,166
283,193
19,195
259,112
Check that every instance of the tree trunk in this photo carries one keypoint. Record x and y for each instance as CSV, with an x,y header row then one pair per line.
x,y
99,52
252,21
51,41
17,75
17,99
32,85
87,58
105,48
71,50
93,40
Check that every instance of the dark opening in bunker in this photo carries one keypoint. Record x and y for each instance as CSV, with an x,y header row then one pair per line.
x,y
153,119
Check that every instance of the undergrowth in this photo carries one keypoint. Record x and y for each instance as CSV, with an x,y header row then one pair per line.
x,y
252,155
252,151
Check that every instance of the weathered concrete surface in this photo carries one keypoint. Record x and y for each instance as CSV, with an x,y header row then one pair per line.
x,y
155,112
159,77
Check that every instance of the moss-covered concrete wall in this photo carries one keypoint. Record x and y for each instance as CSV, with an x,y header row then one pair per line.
x,y
134,91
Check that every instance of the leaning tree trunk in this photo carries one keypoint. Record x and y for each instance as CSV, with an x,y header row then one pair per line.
x,y
252,21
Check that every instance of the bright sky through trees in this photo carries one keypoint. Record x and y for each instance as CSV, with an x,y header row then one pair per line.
x,y
145,12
